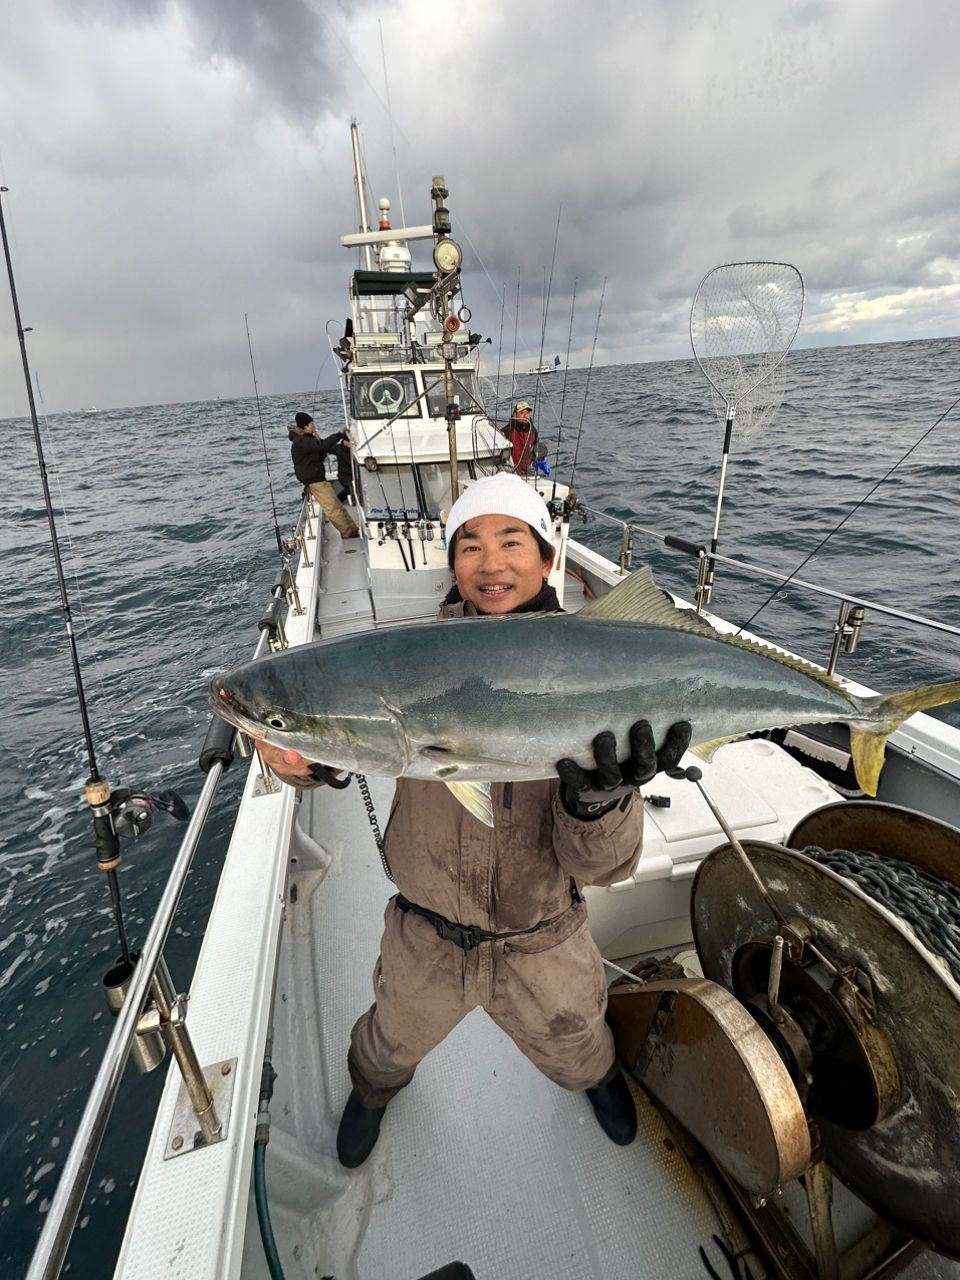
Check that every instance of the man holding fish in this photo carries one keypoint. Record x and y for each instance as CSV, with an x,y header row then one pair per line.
x,y
490,865
490,912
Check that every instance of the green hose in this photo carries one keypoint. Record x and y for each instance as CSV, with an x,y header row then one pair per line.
x,y
263,1211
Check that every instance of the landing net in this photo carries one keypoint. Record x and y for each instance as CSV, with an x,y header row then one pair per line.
x,y
744,319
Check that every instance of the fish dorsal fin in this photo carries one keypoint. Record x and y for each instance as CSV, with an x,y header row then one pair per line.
x,y
639,599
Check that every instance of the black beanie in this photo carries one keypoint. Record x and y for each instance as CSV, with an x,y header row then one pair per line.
x,y
303,420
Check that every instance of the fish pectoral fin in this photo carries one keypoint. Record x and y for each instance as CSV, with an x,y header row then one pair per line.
x,y
475,798
450,762
707,750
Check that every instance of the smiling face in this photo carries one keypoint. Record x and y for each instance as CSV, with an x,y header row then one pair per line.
x,y
497,563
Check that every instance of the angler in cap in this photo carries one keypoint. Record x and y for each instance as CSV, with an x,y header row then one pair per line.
x,y
493,917
523,437
308,452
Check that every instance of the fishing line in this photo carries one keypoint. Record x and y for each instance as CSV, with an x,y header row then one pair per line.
x,y
503,307
946,413
263,438
313,405
586,389
563,388
516,331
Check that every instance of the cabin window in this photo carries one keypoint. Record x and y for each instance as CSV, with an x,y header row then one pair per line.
x,y
464,387
383,395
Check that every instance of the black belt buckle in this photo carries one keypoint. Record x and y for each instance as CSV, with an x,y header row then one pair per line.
x,y
464,936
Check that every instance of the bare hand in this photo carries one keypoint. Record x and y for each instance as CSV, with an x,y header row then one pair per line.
x,y
289,766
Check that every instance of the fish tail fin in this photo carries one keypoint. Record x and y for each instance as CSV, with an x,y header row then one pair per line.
x,y
868,740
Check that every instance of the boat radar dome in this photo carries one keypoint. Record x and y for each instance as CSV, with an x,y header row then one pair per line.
x,y
393,255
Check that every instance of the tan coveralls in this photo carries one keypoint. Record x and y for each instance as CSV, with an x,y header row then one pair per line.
x,y
546,990
333,508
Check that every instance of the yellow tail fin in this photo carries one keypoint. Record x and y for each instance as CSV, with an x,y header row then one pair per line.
x,y
867,743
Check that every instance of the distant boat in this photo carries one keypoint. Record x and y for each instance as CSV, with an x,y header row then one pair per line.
x,y
91,409
547,368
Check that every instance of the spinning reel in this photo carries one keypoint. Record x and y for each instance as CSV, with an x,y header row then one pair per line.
x,y
133,811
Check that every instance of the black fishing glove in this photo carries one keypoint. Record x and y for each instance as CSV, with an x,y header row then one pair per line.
x,y
592,793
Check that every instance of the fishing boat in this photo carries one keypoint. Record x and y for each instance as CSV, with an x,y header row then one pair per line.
x,y
787,1025
547,367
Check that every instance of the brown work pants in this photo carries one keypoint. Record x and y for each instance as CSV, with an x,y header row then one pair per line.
x,y
333,508
546,990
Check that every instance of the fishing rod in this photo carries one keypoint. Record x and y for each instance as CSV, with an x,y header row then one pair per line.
x,y
586,389
563,389
547,291
122,812
852,512
263,440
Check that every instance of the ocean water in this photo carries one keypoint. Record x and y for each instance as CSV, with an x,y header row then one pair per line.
x,y
167,535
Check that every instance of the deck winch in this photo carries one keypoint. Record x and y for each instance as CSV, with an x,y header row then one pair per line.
x,y
820,1040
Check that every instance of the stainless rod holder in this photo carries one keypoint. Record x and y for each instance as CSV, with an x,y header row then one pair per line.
x,y
148,1049
173,1012
839,635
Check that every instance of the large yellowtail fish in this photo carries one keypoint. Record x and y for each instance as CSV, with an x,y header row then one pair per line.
x,y
474,701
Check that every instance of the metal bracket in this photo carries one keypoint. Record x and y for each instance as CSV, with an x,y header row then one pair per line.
x,y
185,1135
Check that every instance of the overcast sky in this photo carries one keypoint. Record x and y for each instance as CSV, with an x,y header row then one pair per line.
x,y
174,164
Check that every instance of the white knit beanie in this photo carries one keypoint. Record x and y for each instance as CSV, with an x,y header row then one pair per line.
x,y
503,495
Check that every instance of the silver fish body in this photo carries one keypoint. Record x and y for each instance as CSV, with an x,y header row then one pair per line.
x,y
497,699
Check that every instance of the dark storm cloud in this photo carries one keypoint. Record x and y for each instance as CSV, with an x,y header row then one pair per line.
x,y
175,165
290,48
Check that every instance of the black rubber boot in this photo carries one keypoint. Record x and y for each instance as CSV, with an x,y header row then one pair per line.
x,y
613,1106
358,1132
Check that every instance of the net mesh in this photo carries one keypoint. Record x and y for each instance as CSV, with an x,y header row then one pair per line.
x,y
744,319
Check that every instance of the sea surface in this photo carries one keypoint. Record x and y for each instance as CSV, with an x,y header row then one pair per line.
x,y
165,518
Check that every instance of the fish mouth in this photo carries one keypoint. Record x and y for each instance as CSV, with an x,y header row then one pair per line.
x,y
229,707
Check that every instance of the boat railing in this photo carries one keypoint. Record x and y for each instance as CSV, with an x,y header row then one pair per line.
x,y
851,611
391,351
149,977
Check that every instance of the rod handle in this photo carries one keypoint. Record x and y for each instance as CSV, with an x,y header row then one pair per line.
x,y
681,544
218,745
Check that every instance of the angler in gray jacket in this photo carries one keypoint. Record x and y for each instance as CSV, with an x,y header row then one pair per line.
x,y
493,916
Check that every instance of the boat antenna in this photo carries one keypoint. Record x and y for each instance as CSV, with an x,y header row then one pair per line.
x,y
852,512
563,389
263,438
393,143
743,321
361,192
586,389
123,810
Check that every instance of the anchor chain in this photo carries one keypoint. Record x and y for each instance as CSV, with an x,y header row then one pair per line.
x,y
929,905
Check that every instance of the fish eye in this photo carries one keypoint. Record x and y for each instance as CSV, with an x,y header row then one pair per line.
x,y
275,721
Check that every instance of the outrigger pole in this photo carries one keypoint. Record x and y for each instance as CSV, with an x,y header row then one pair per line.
x,y
96,789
